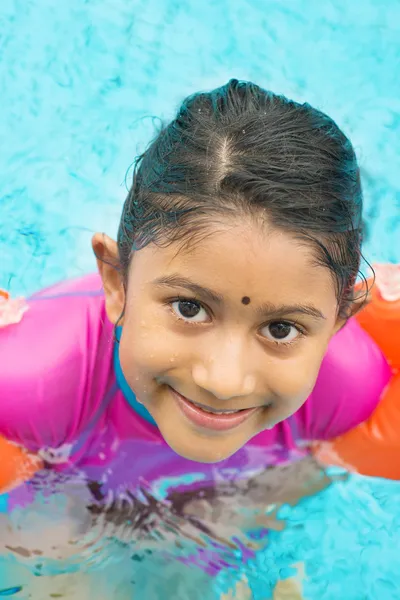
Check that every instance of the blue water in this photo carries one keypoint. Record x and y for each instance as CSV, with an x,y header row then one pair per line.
x,y
81,83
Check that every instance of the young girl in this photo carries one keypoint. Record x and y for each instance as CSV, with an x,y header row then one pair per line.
x,y
220,329
225,314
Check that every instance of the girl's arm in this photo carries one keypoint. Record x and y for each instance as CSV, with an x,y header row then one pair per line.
x,y
47,373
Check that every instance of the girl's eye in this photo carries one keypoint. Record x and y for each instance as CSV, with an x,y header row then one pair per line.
x,y
281,332
190,310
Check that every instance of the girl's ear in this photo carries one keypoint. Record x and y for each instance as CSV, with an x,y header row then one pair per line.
x,y
106,252
362,298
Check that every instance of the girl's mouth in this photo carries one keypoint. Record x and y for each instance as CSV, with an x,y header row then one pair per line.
x,y
210,418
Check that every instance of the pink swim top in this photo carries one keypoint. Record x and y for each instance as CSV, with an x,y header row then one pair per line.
x,y
60,395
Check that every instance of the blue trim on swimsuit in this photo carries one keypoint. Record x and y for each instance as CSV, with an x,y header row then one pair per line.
x,y
124,386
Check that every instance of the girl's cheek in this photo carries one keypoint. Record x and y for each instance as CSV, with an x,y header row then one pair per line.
x,y
146,347
294,380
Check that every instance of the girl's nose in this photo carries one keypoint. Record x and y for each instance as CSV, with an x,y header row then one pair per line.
x,y
225,374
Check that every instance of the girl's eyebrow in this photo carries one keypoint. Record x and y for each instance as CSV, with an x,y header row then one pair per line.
x,y
274,312
267,309
176,281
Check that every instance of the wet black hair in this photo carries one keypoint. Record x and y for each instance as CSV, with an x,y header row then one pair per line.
x,y
240,150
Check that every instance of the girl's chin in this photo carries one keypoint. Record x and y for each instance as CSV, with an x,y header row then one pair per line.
x,y
201,456
199,448
196,441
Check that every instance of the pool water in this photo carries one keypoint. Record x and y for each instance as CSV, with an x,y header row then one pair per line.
x,y
83,85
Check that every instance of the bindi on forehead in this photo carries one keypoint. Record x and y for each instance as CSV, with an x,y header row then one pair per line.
x,y
246,300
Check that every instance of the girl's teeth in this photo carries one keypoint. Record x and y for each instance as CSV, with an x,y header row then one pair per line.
x,y
219,412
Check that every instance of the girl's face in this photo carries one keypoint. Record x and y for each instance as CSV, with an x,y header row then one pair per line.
x,y
238,322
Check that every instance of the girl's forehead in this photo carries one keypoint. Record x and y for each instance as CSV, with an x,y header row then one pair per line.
x,y
254,248
240,261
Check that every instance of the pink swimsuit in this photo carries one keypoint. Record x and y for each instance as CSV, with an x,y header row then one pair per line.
x,y
60,396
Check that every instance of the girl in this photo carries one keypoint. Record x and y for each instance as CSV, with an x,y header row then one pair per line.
x,y
220,329
227,299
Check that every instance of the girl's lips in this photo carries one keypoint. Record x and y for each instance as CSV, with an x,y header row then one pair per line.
x,y
216,422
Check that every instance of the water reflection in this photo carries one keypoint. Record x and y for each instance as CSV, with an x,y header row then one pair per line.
x,y
186,527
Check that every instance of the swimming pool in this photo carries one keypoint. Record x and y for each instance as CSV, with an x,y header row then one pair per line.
x,y
81,83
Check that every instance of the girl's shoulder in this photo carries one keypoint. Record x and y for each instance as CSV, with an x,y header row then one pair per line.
x,y
55,364
352,378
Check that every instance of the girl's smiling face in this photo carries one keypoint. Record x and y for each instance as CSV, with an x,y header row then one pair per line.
x,y
239,320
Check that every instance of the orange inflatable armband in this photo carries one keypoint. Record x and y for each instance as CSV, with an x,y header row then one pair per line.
x,y
381,317
16,465
373,448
